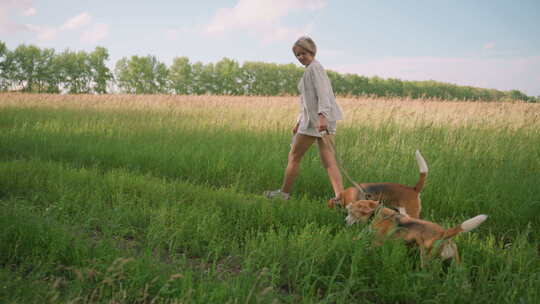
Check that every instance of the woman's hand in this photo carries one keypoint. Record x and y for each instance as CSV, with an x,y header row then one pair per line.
x,y
295,129
323,123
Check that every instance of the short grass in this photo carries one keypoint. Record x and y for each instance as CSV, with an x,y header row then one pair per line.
x,y
156,199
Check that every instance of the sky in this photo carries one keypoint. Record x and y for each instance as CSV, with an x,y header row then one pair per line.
x,y
482,43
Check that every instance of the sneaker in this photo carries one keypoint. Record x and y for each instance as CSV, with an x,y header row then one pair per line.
x,y
276,194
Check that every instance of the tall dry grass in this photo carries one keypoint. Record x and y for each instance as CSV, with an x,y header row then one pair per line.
x,y
266,112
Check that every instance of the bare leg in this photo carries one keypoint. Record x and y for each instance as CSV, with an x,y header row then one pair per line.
x,y
329,162
300,146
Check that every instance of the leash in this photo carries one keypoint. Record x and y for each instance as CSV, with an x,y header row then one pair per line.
x,y
341,168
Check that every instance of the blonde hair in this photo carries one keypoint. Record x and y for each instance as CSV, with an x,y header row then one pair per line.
x,y
307,44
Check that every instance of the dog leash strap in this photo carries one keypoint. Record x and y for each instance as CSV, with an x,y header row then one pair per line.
x,y
332,146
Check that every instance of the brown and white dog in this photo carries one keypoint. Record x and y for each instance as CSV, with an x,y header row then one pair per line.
x,y
432,239
404,198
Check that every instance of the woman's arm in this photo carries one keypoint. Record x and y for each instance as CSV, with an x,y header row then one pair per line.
x,y
297,124
323,123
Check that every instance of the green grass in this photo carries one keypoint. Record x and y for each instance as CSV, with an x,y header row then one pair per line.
x,y
141,206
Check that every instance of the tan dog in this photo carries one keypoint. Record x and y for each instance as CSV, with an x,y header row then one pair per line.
x,y
432,239
404,198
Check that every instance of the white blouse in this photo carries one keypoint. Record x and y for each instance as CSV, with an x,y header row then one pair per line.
x,y
317,96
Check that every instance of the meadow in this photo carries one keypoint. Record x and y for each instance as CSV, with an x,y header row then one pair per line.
x,y
157,199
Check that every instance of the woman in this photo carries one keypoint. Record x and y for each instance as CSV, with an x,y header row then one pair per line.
x,y
318,115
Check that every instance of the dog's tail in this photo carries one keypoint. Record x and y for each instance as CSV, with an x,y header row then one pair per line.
x,y
466,226
422,166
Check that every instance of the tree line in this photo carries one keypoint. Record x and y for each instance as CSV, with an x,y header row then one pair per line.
x,y
29,68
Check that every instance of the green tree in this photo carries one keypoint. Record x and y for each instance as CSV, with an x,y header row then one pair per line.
x,y
197,71
262,78
75,71
207,79
24,61
6,67
101,75
227,77
289,77
31,68
142,75
339,85
47,72
359,85
517,95
394,87
204,79
181,76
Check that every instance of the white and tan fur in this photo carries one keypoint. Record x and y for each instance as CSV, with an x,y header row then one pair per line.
x,y
431,238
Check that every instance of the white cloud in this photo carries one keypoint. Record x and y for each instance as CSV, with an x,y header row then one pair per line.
x,y
9,8
78,21
262,18
95,34
47,33
499,73
285,33
44,33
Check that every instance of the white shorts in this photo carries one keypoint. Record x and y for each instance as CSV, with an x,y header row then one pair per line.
x,y
311,130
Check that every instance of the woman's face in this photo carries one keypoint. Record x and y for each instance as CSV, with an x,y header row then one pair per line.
x,y
303,55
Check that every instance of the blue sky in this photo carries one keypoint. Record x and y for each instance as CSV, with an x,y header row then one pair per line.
x,y
483,43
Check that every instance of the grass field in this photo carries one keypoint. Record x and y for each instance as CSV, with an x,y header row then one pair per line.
x,y
156,199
